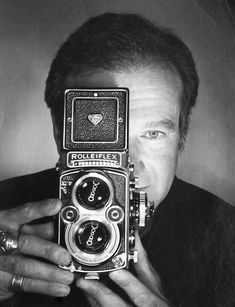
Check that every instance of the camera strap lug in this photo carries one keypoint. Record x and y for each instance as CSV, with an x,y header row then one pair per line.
x,y
133,256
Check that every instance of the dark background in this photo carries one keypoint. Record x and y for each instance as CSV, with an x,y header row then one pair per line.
x,y
31,32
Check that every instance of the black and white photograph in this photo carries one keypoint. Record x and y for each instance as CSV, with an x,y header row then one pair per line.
x,y
117,164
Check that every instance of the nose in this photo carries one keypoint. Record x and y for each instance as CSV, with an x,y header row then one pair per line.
x,y
136,156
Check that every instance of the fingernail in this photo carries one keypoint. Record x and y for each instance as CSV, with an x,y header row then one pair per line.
x,y
83,284
68,277
54,204
66,292
63,291
79,281
114,274
65,258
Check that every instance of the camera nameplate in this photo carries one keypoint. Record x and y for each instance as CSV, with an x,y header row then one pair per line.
x,y
94,159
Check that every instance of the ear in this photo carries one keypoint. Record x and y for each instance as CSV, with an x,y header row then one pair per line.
x,y
57,133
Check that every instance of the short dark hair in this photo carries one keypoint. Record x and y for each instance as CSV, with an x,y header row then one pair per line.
x,y
120,41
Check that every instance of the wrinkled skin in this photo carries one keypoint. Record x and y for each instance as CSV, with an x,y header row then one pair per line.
x,y
34,241
144,289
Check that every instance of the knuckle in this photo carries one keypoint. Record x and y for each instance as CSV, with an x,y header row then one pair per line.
x,y
98,290
28,284
11,263
52,275
140,298
8,221
43,207
67,278
51,253
26,209
125,283
43,287
51,288
48,206
68,281
23,243
48,230
57,289
18,267
153,301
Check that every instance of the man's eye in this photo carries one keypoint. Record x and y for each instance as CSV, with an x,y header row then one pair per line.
x,y
154,134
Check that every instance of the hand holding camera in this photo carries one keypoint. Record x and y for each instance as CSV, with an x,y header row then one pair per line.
x,y
24,249
144,289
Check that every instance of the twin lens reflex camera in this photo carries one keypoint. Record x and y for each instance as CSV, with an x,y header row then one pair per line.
x,y
102,205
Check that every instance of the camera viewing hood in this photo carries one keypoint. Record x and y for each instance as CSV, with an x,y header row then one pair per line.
x,y
96,119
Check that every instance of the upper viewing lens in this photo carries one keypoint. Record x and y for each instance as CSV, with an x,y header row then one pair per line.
x,y
93,192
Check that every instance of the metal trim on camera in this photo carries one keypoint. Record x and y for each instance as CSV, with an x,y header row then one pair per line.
x,y
94,255
92,191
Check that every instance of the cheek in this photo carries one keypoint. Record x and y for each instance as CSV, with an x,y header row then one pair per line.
x,y
154,159
156,168
159,166
158,175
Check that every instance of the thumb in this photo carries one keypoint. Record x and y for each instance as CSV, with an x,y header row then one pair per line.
x,y
14,218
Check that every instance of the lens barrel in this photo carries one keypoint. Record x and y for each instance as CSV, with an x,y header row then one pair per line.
x,y
92,237
93,191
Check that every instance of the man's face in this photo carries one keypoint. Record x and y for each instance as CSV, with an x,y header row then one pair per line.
x,y
153,126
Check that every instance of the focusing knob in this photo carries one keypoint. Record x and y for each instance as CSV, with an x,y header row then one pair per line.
x,y
142,208
134,208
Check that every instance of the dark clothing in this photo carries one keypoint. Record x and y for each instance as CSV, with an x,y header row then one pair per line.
x,y
191,242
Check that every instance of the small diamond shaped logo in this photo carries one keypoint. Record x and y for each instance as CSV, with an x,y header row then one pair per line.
x,y
95,118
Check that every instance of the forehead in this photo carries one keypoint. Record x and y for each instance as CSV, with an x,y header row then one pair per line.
x,y
152,90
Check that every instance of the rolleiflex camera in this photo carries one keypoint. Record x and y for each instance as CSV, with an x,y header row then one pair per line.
x,y
102,205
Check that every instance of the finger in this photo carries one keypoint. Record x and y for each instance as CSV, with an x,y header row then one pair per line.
x,y
136,290
35,269
5,283
45,231
31,245
100,293
46,288
13,218
93,302
34,285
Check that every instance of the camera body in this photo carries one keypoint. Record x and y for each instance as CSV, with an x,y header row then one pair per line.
x,y
102,205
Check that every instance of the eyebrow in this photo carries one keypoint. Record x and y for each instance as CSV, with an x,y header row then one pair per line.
x,y
167,123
